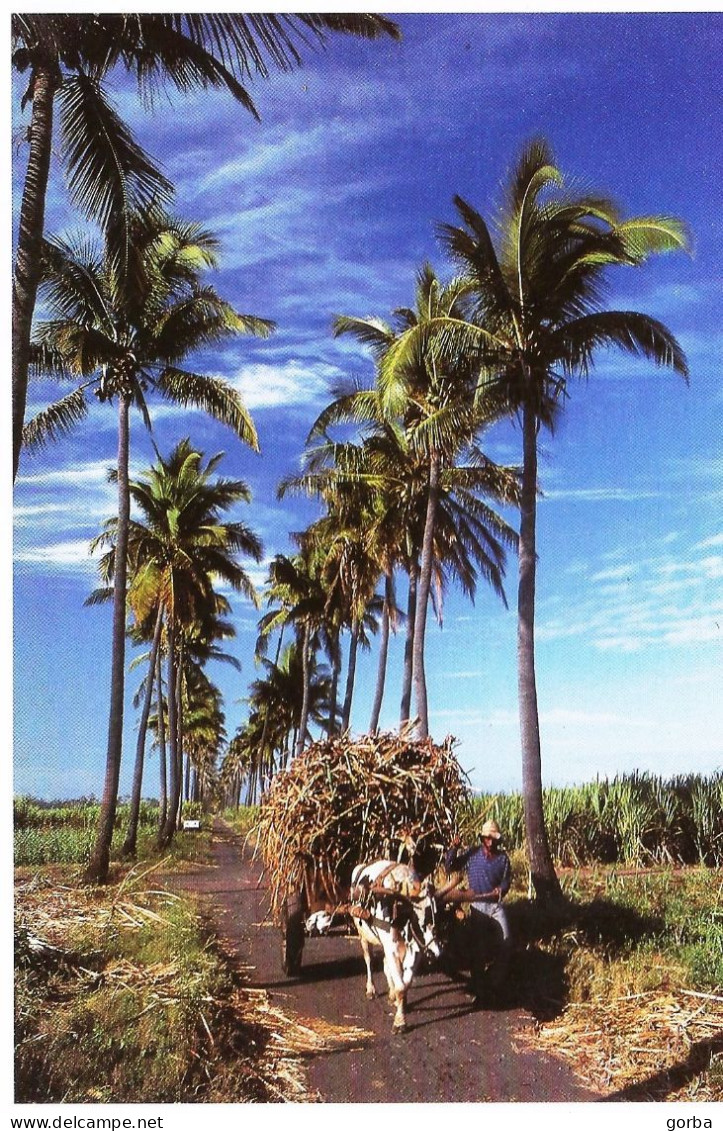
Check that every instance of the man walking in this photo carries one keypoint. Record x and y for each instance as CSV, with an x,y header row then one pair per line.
x,y
489,874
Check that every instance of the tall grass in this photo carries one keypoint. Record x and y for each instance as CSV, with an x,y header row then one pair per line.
x,y
634,818
64,834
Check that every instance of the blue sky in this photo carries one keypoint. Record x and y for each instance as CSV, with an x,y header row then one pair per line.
x,y
329,206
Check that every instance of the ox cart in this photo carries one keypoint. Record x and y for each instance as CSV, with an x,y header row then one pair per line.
x,y
307,913
394,896
342,804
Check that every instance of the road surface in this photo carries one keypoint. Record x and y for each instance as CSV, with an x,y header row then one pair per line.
x,y
449,1053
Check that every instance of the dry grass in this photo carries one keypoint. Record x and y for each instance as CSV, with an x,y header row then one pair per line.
x,y
120,997
643,960
660,1045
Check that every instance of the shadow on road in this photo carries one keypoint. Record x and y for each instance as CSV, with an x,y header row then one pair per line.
x,y
543,941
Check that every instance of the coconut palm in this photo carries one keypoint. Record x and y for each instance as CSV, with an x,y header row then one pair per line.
x,y
349,569
459,534
122,344
176,551
277,702
295,588
536,318
67,57
436,398
204,731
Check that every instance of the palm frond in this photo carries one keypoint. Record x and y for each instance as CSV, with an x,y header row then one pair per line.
x,y
47,361
215,396
99,597
639,334
73,283
56,420
357,407
649,235
110,176
372,332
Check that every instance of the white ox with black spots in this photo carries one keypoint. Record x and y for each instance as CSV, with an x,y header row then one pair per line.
x,y
398,914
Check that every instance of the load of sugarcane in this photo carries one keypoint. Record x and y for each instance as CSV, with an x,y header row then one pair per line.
x,y
343,802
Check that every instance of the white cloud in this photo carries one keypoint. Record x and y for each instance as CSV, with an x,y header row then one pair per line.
x,y
57,554
291,384
623,572
96,471
716,540
658,600
599,494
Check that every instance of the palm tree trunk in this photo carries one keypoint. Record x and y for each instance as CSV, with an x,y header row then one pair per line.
x,y
187,786
306,679
179,729
250,788
165,835
425,582
163,783
409,644
544,879
129,844
383,653
350,675
97,870
264,731
334,692
30,234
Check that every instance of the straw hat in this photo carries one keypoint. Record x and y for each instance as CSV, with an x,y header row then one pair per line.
x,y
491,828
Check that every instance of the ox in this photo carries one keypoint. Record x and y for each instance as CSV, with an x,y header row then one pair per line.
x,y
391,910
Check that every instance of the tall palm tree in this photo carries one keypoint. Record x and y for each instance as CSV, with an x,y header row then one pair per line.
x,y
121,344
426,410
177,549
349,569
352,541
295,588
204,731
536,318
265,742
67,57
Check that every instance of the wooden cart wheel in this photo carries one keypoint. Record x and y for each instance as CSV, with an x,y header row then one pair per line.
x,y
292,935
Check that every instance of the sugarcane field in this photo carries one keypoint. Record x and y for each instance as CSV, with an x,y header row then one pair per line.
x,y
365,632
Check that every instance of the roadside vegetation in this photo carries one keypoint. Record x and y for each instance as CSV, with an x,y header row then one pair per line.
x,y
626,979
636,818
122,996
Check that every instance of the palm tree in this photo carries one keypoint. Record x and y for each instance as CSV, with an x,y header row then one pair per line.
x,y
67,57
276,702
350,540
295,588
535,319
428,409
146,698
176,552
204,731
349,569
122,343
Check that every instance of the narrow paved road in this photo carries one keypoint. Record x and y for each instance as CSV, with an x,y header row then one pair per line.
x,y
449,1052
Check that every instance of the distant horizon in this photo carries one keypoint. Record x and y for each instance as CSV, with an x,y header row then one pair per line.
x,y
329,206
124,799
